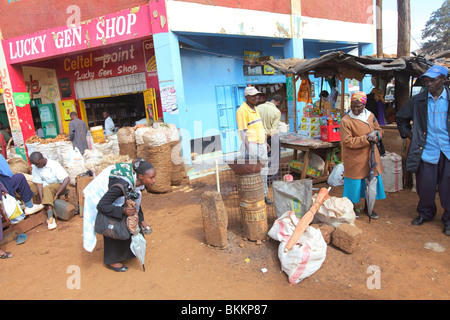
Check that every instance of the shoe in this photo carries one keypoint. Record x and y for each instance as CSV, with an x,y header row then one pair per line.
x,y
35,208
447,230
267,200
123,268
51,224
373,215
418,221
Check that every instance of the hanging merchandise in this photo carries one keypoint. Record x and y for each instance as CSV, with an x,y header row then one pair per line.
x,y
304,94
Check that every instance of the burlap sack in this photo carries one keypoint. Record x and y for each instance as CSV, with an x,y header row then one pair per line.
x,y
18,165
160,158
178,171
127,142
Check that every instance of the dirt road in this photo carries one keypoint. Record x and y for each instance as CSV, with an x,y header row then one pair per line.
x,y
180,266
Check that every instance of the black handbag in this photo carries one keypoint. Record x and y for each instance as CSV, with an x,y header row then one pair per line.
x,y
111,227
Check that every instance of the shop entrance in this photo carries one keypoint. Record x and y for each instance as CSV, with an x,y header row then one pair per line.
x,y
125,110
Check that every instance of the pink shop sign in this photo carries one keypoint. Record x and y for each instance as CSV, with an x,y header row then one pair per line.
x,y
121,26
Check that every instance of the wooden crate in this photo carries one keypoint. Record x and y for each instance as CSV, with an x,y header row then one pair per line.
x,y
82,182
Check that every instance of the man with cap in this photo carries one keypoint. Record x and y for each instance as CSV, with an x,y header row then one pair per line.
x,y
251,132
429,152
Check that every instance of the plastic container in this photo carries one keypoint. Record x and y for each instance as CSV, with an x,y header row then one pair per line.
x,y
97,134
63,210
330,133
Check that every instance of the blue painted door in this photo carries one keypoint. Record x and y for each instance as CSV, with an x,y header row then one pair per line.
x,y
229,98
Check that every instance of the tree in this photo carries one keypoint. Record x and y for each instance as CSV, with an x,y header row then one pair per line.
x,y
437,30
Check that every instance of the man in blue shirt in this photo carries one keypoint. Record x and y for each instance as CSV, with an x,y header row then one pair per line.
x,y
429,152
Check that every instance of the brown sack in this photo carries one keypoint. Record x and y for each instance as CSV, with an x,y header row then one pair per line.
x,y
127,142
160,158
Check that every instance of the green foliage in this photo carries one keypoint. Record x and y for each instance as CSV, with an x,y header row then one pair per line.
x,y
437,30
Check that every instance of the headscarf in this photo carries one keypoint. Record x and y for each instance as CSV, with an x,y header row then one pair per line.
x,y
362,97
124,171
359,96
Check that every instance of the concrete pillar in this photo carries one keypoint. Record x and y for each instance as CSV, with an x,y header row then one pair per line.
x,y
170,75
20,118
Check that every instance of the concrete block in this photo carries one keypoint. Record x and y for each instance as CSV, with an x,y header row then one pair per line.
x,y
215,219
325,229
346,237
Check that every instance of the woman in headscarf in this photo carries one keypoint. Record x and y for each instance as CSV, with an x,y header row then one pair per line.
x,y
359,128
134,177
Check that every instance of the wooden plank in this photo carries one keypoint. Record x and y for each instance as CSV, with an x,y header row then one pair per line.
x,y
23,226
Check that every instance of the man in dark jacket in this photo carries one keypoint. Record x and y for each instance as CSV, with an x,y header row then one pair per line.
x,y
429,152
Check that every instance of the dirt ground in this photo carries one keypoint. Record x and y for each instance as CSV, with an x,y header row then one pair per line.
x,y
180,266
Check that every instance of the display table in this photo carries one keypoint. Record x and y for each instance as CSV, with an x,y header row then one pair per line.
x,y
297,142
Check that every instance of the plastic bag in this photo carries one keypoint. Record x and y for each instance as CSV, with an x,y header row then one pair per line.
x,y
336,211
336,177
75,158
12,209
306,256
292,196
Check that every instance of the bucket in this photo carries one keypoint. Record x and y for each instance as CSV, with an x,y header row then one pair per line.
x,y
97,134
250,186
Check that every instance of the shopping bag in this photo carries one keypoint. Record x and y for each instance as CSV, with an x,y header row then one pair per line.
x,y
12,209
308,253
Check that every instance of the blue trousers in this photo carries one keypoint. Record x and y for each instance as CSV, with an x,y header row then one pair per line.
x,y
429,176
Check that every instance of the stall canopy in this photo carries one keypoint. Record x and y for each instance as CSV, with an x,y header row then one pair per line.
x,y
343,65
346,66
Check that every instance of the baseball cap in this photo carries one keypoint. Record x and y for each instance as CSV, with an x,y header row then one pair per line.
x,y
251,91
435,71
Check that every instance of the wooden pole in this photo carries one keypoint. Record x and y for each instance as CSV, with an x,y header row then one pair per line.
x,y
379,26
342,80
403,51
294,81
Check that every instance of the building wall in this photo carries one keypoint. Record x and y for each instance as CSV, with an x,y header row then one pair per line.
x,y
276,6
343,10
28,16
221,64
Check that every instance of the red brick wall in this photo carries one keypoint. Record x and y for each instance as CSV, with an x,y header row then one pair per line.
x,y
359,11
28,16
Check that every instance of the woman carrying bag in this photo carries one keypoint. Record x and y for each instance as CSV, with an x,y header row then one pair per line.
x,y
359,128
104,199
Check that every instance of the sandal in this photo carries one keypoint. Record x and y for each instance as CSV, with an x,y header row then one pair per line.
x,y
6,255
21,238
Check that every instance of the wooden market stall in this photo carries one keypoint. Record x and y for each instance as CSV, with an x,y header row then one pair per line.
x,y
343,66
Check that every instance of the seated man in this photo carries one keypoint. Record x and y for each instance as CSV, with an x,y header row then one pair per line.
x,y
11,183
51,180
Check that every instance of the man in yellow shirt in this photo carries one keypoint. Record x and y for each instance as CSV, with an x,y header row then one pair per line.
x,y
251,131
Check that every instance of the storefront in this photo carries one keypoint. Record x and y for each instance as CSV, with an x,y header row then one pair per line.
x,y
104,64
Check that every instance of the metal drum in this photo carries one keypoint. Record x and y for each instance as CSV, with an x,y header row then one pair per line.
x,y
252,206
250,186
